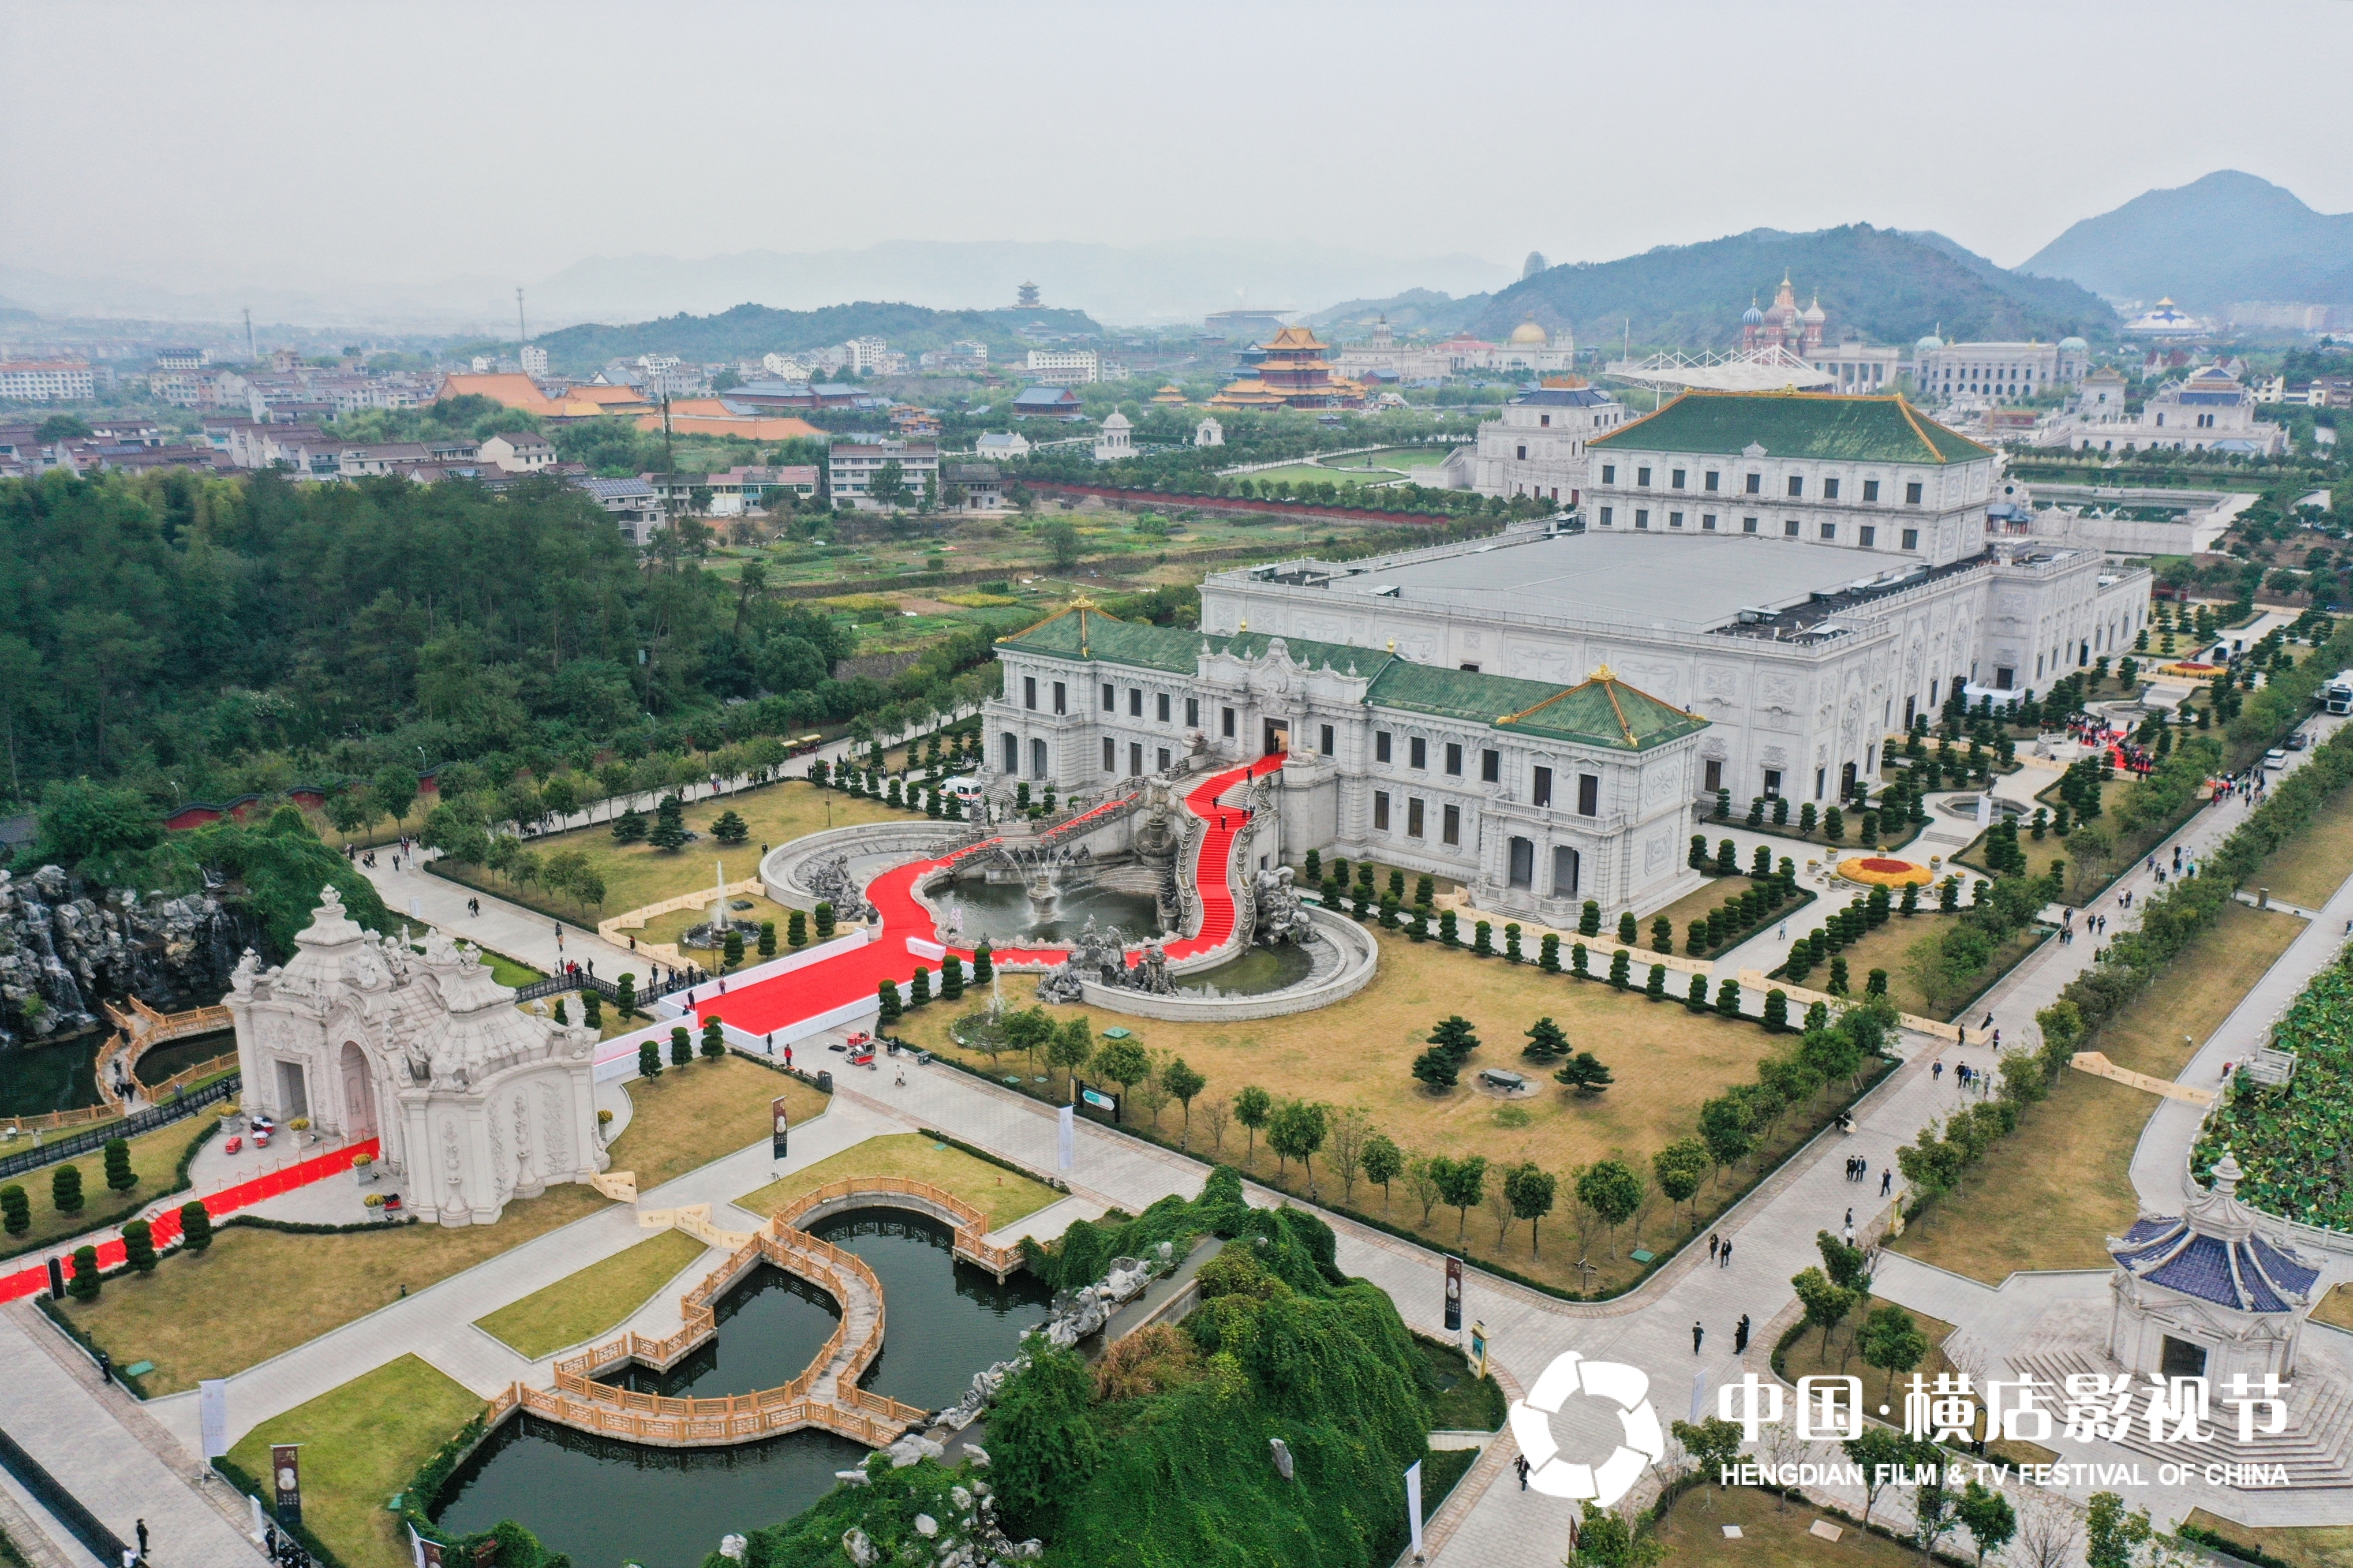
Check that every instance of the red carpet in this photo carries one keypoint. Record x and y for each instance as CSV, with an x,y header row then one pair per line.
x,y
774,1003
228,1201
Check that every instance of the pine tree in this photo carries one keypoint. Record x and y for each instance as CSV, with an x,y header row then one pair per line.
x,y
120,1176
65,1189
767,938
669,825
1727,998
731,952
888,994
195,1227
951,978
1622,969
592,1009
1777,1011
1655,988
1548,953
1585,1073
1546,1042
15,1210
629,827
824,922
919,989
714,1038
982,971
139,1247
627,985
85,1286
681,1047
1454,1034
730,828
648,1060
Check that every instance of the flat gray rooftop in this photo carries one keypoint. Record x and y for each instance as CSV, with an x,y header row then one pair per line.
x,y
1684,582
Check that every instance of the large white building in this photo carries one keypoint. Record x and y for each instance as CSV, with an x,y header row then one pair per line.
x,y
1808,572
47,381
852,466
1537,447
1998,372
1064,367
1537,794
2210,410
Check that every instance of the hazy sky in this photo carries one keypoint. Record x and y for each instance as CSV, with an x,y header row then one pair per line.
x,y
209,144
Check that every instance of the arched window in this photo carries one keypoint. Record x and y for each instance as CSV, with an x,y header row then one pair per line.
x,y
1012,753
1037,759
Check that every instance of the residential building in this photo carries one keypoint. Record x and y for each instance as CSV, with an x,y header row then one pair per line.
x,y
1537,447
534,360
517,452
743,489
1064,367
2210,410
852,466
47,381
786,368
632,503
982,484
1536,794
183,358
1997,373
1048,403
1806,648
1115,442
1003,447
388,458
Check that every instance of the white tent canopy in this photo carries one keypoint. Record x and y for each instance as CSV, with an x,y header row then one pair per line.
x,y
1769,369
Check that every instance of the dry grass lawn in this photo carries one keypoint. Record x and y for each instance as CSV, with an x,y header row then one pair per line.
x,y
2310,868
638,874
1773,1533
1005,1195
257,1293
1806,1358
154,1158
361,1444
1360,1052
1886,948
690,1116
592,1301
2306,1546
2048,1195
2336,1307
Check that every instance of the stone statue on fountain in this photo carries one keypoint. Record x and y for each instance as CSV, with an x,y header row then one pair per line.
x,y
1100,956
1281,916
831,883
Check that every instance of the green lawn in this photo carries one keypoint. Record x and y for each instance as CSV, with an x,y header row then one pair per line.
x,y
587,1303
154,1159
361,1444
693,1115
1004,1196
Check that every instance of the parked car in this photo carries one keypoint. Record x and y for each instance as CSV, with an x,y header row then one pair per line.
x,y
2298,741
2275,758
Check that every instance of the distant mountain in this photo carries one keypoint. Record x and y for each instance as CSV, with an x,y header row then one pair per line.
x,y
1889,286
2214,242
1415,311
748,332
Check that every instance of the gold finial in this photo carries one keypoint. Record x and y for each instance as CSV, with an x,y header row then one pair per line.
x,y
1245,626
1082,603
1603,672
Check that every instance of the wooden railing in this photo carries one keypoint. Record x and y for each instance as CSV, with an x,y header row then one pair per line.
x,y
971,1225
140,1029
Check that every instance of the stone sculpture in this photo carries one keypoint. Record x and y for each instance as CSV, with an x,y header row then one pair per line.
x,y
1281,917
830,882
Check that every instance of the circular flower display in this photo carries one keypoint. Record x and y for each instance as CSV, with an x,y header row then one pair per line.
x,y
2192,670
1884,870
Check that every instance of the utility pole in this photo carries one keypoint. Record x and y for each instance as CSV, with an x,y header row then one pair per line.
x,y
520,330
251,351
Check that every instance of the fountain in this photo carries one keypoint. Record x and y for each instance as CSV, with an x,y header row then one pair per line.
x,y
713,932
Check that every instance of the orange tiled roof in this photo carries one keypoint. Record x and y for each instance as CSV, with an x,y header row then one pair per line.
x,y
512,390
687,420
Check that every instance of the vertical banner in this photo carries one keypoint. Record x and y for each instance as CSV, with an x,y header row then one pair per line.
x,y
1413,1506
1454,1295
1479,1350
286,1472
1066,1137
212,1416
779,1126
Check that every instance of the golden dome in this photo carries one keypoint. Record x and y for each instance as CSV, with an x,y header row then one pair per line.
x,y
1528,335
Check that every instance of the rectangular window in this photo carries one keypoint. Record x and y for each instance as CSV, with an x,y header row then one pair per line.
x,y
1450,826
1747,525
1521,865
1772,784
1912,494
1675,519
1790,529
1324,735
1756,484
1381,745
1061,698
1381,809
1829,530
1491,767
1589,794
1609,473
1111,755
1160,707
1829,490
1710,486
1413,817
1605,513
1417,752
1134,758
1642,475
1540,791
1565,868
1911,539
1707,522
1867,536
1192,713
1226,721
1641,517
1870,490
1522,452
1028,692
1111,698
1163,754
1676,478
1797,485
1135,702
1454,759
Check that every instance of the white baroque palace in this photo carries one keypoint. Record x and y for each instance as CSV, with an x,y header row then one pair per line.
x,y
475,1101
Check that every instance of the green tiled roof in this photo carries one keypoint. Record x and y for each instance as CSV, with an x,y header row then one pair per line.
x,y
1796,425
1602,711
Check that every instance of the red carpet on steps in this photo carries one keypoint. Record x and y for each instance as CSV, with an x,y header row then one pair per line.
x,y
774,1003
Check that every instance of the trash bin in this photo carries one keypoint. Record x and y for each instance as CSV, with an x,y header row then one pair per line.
x,y
824,1082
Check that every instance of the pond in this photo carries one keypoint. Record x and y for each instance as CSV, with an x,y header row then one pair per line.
x,y
1002,911
35,1079
605,1501
1255,973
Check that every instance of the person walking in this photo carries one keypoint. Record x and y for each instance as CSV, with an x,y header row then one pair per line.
x,y
1740,1336
1521,1464
1698,1335
1723,1258
1713,1244
1886,1181
140,1527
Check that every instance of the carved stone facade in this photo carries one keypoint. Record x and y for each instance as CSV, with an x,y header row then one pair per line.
x,y
2206,1294
475,1101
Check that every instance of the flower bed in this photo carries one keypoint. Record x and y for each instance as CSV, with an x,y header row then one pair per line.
x,y
1882,872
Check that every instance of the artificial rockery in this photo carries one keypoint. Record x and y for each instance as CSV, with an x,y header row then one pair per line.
x,y
1163,1452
